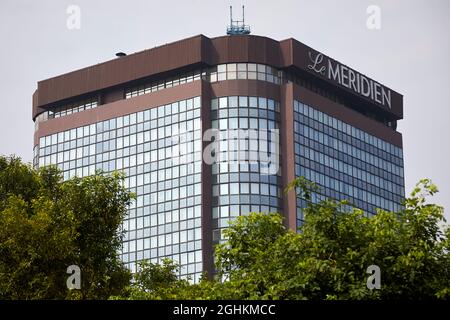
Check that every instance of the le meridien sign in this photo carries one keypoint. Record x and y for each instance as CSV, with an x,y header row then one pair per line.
x,y
349,78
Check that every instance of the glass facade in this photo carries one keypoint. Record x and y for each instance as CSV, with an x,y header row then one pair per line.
x,y
221,72
163,84
159,150
346,162
230,71
249,71
66,110
241,187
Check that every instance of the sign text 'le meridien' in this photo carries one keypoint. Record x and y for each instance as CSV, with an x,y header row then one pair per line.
x,y
350,79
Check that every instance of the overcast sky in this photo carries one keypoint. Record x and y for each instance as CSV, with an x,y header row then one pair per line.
x,y
409,54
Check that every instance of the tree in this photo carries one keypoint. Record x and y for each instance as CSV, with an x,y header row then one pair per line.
x,y
99,203
47,225
328,258
160,281
154,281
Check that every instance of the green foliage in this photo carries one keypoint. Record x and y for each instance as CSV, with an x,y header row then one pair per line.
x,y
155,281
47,225
303,187
100,205
246,237
328,258
152,276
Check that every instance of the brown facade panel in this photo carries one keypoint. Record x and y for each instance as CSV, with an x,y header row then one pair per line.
x,y
244,49
287,154
112,96
198,50
36,109
286,52
120,70
207,226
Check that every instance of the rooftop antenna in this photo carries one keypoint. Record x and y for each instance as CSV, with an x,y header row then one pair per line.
x,y
237,27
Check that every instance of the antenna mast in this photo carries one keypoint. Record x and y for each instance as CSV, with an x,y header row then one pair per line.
x,y
237,27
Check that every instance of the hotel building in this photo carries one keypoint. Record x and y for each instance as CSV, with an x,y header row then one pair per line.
x,y
148,114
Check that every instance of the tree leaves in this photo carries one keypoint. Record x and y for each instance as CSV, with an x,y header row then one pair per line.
x,y
329,257
47,225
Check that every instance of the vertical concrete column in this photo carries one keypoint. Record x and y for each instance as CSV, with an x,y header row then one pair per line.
x,y
287,153
207,245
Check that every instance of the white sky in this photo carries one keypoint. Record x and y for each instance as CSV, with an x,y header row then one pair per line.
x,y
409,54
